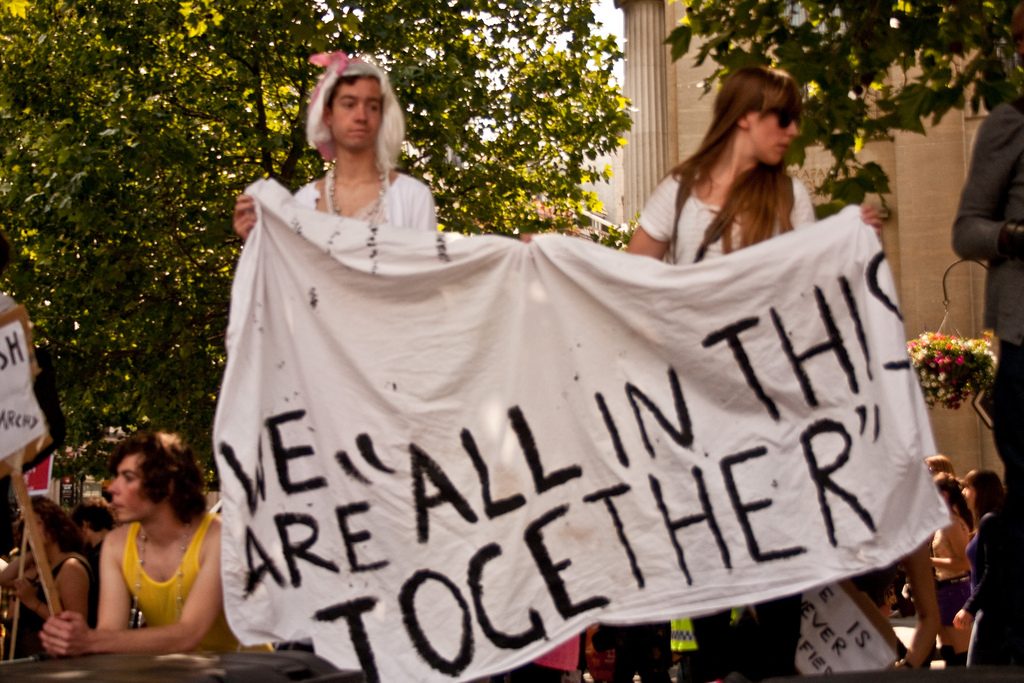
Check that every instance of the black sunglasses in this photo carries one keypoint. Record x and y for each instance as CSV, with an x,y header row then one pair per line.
x,y
785,117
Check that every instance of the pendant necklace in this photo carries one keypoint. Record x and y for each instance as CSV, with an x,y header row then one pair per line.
x,y
135,616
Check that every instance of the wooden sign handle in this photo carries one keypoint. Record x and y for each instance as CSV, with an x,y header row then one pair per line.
x,y
36,541
17,612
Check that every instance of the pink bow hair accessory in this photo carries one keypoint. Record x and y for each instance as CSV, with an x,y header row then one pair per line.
x,y
334,64
336,61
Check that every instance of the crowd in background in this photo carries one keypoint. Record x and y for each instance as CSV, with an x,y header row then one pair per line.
x,y
967,556
72,544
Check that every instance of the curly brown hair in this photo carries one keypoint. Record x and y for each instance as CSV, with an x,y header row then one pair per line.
x,y
58,525
93,513
168,470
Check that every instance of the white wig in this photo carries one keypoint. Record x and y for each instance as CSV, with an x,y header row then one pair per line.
x,y
392,127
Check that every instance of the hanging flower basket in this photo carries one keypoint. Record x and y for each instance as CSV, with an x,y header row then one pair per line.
x,y
951,368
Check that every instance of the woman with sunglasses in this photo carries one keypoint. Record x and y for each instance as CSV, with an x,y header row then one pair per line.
x,y
734,190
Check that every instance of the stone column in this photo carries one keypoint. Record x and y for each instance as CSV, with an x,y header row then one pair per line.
x,y
645,157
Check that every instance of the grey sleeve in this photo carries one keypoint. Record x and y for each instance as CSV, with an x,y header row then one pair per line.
x,y
994,165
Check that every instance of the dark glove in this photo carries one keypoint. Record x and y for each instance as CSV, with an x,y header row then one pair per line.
x,y
1011,240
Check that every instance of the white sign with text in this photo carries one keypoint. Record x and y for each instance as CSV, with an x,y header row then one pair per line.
x,y
21,421
840,631
441,457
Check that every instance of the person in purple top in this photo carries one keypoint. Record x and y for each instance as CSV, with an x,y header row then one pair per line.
x,y
986,608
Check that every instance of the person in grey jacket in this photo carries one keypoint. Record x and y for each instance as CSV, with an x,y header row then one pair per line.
x,y
990,226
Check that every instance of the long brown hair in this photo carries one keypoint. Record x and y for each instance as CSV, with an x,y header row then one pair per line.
x,y
989,494
57,525
760,200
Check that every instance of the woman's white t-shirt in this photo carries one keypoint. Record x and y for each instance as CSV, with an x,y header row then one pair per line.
x,y
660,209
408,203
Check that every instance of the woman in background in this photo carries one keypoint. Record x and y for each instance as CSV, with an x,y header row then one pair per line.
x,y
952,570
71,574
986,606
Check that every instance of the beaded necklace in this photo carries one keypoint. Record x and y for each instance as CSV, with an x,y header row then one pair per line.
x,y
373,213
135,616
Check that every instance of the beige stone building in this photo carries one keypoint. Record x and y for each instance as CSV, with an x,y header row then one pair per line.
x,y
926,172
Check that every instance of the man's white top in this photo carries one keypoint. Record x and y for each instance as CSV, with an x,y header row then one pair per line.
x,y
656,218
407,203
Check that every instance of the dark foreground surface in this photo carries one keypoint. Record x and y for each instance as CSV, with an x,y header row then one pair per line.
x,y
240,667
280,667
982,674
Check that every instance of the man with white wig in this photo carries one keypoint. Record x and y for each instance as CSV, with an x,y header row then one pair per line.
x,y
355,121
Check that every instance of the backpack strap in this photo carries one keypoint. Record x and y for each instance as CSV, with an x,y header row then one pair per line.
x,y
681,197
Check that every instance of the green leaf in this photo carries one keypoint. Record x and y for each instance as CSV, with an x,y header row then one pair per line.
x,y
679,39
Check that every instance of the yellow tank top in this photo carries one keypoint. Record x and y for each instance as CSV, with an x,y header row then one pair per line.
x,y
159,600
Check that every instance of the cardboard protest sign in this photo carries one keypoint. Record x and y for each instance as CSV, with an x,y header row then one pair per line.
x,y
23,430
22,423
841,630
441,457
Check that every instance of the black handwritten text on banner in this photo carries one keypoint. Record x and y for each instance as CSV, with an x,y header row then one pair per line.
x,y
442,457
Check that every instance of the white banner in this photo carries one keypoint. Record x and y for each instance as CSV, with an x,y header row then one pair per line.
x,y
442,457
21,421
